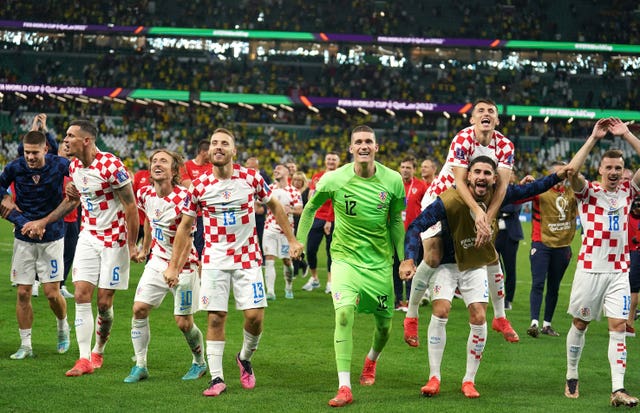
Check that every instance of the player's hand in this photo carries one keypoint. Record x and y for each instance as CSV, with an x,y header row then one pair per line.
x,y
566,172
170,278
617,127
407,269
601,128
527,179
140,257
295,249
483,229
34,229
6,206
327,227
72,192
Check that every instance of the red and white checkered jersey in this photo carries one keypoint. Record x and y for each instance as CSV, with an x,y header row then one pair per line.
x,y
228,213
164,214
464,148
102,213
287,196
603,216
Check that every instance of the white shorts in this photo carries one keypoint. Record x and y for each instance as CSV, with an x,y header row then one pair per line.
x,y
434,230
43,258
595,293
248,289
275,244
152,288
472,284
103,267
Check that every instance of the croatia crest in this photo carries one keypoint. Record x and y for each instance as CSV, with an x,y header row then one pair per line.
x,y
226,195
383,196
36,179
157,213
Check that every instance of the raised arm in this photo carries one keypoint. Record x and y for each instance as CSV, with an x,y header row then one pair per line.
x,y
600,130
619,128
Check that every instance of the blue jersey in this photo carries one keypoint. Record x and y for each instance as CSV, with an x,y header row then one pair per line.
x,y
38,192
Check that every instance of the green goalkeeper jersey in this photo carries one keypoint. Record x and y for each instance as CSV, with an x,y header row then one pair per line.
x,y
368,215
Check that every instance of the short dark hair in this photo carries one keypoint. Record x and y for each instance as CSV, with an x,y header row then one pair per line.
x,y
362,128
86,126
484,100
614,154
409,158
34,138
203,146
483,159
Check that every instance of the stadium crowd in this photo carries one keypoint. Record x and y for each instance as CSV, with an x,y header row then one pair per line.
x,y
590,21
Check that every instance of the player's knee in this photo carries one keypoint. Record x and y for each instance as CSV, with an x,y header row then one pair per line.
x,y
184,323
24,294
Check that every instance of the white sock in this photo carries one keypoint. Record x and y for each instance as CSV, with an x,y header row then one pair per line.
x,y
344,379
437,334
63,324
215,351
546,324
84,329
140,337
534,322
104,321
495,276
575,344
419,286
249,345
475,347
270,275
25,337
373,355
195,342
617,359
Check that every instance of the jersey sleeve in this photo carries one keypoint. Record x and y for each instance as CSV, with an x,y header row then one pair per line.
x,y
505,153
6,178
432,214
116,173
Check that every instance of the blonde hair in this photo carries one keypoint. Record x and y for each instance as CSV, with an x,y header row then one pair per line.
x,y
303,177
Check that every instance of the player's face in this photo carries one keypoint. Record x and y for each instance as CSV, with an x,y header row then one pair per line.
x,y
34,155
363,147
407,170
222,149
331,162
280,172
292,167
627,175
161,167
481,178
74,140
611,172
485,117
427,169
